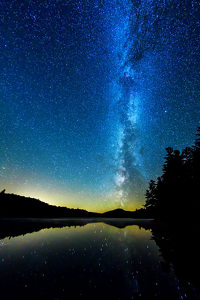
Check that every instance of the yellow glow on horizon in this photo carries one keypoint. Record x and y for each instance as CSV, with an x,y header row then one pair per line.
x,y
58,197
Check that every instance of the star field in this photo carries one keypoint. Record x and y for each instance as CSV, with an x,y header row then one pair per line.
x,y
92,92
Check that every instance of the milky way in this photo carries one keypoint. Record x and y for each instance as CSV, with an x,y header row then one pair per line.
x,y
92,92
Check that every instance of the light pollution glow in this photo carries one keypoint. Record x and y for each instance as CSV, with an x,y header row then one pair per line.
x,y
92,93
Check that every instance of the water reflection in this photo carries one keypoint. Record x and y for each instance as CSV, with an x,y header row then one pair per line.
x,y
179,252
15,227
87,262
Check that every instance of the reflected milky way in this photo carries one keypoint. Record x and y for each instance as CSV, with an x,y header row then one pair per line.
x,y
95,259
113,263
92,92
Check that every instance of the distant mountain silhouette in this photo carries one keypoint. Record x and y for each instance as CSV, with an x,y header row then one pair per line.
x,y
120,213
15,206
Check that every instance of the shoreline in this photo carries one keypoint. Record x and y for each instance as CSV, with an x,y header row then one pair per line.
x,y
12,227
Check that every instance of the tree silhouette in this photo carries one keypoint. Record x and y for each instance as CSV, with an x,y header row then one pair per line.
x,y
174,196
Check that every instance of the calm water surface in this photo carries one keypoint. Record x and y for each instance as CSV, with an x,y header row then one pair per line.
x,y
95,261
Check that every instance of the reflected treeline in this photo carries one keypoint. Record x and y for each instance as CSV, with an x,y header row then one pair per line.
x,y
178,245
179,253
16,227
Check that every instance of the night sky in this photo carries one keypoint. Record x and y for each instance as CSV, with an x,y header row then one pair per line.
x,y
92,92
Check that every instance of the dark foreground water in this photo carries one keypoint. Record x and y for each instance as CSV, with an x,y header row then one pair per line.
x,y
94,261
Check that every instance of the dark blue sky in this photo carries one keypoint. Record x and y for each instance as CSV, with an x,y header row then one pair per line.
x,y
92,92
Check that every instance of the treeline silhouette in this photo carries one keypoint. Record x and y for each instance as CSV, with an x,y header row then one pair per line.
x,y
15,206
174,196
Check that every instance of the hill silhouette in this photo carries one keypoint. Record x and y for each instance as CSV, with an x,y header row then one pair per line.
x,y
120,213
15,206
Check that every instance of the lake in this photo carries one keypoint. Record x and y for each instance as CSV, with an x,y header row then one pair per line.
x,y
117,260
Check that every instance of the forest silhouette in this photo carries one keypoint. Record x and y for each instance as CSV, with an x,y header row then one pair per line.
x,y
15,206
174,196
